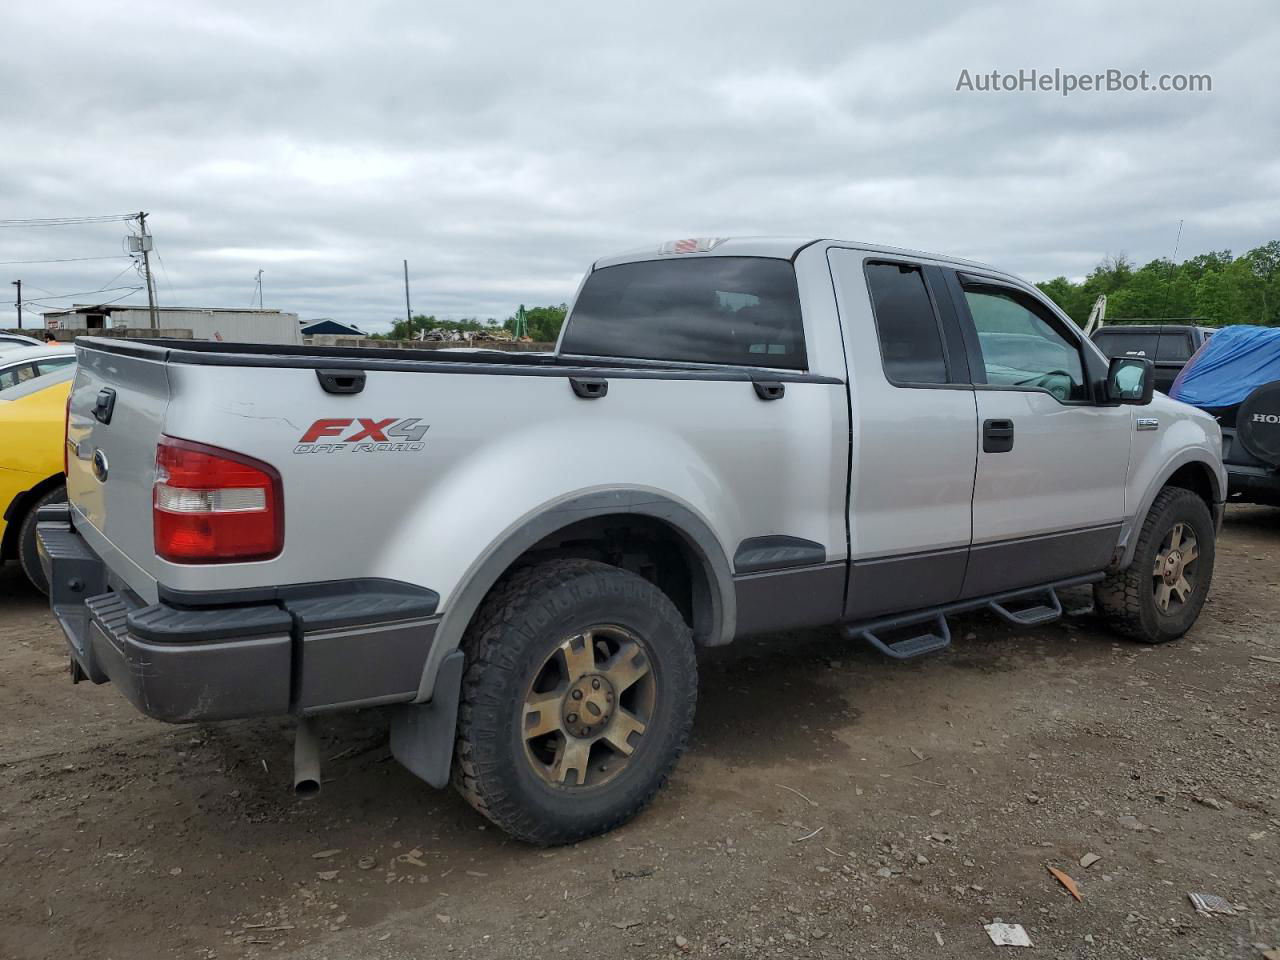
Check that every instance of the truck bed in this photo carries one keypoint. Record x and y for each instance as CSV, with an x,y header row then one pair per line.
x,y
509,362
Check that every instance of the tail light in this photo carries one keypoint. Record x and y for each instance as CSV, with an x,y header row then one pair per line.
x,y
214,506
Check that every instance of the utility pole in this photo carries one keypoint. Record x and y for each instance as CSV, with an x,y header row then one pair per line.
x,y
18,303
259,288
146,270
408,311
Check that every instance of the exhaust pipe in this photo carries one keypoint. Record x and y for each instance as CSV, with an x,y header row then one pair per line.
x,y
306,761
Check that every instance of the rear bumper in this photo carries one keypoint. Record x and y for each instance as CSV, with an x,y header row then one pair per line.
x,y
304,648
1249,484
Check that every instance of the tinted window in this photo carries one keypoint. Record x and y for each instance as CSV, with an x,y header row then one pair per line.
x,y
1022,348
734,310
1120,343
12,376
53,363
910,344
1174,346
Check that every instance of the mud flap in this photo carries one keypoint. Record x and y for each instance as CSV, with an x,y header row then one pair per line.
x,y
422,734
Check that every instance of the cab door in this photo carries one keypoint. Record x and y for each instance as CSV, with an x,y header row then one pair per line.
x,y
1049,489
913,438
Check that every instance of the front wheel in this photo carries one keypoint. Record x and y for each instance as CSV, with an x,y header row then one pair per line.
x,y
577,700
1158,597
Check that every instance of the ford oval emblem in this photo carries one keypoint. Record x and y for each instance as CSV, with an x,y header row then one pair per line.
x,y
100,465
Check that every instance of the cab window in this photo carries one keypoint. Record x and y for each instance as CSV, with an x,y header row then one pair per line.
x,y
19,373
53,363
742,311
1022,347
910,344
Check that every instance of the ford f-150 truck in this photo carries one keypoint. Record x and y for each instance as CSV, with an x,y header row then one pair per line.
x,y
522,553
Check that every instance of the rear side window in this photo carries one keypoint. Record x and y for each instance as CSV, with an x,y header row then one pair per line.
x,y
910,343
743,311
1174,346
1127,344
52,364
12,376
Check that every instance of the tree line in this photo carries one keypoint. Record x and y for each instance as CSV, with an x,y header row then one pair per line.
x,y
543,324
1215,287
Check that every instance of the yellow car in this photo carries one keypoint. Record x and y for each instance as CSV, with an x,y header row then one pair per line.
x,y
32,414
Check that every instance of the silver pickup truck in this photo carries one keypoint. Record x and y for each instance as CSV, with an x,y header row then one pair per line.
x,y
521,553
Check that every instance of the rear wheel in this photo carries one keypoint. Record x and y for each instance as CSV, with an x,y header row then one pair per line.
x,y
27,554
577,700
1159,596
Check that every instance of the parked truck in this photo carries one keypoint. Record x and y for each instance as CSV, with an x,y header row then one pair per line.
x,y
1169,344
733,437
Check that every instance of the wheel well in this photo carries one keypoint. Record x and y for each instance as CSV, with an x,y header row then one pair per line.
x,y
1196,478
18,508
646,546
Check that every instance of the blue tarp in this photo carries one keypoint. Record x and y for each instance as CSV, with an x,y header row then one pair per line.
x,y
1234,363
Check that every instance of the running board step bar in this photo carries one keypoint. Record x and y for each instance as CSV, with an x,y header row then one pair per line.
x,y
926,631
926,635
1032,615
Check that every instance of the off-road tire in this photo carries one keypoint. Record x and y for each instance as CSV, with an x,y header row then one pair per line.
x,y
27,555
520,622
1126,599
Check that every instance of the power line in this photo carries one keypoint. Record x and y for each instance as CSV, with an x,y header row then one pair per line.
x,y
113,256
82,293
132,266
66,221
99,303
163,269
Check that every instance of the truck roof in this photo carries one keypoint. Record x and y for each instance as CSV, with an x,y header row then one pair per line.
x,y
1125,325
782,248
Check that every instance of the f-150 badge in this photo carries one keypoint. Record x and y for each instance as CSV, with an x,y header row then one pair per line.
x,y
363,435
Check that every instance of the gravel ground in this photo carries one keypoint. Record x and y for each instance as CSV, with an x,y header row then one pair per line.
x,y
833,804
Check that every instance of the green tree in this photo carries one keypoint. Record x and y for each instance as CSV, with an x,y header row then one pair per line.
x,y
544,322
1212,286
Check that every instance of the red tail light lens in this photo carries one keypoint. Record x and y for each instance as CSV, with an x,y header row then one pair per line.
x,y
214,506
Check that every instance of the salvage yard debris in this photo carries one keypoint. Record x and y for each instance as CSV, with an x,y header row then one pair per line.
x,y
1207,904
1007,934
1067,882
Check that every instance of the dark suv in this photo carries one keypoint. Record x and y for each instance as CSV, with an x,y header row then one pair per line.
x,y
1169,344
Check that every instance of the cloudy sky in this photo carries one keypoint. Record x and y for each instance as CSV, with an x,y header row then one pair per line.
x,y
502,147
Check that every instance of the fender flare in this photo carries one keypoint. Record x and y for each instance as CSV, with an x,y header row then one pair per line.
x,y
1128,544
498,557
422,732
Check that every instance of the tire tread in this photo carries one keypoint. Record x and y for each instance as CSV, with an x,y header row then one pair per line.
x,y
507,620
1120,596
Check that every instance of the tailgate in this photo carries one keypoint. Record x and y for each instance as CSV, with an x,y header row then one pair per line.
x,y
115,418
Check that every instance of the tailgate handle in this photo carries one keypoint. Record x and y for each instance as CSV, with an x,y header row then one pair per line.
x,y
341,381
769,389
589,388
104,405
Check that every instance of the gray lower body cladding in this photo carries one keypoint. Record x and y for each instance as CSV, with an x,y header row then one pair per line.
x,y
302,649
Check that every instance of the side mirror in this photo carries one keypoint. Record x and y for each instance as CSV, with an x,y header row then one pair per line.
x,y
1130,380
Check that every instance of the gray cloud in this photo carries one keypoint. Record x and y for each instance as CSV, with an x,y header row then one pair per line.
x,y
502,148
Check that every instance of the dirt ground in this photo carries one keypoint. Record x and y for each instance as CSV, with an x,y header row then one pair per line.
x,y
832,804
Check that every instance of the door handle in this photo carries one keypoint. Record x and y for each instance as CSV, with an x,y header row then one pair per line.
x,y
589,388
997,436
769,389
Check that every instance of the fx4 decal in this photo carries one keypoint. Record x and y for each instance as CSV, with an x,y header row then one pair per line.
x,y
363,435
